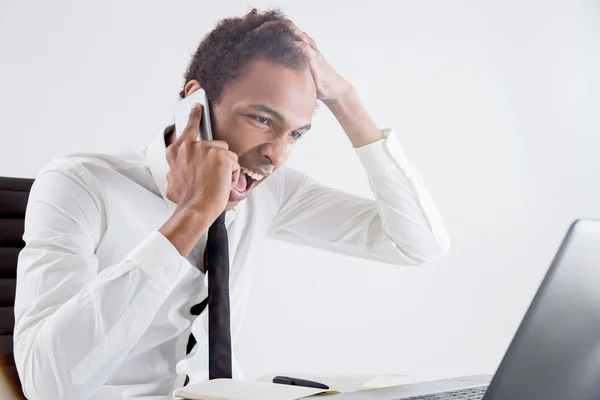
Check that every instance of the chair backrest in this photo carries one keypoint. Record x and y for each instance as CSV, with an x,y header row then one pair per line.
x,y
14,193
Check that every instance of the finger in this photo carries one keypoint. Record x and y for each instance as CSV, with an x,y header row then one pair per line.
x,y
301,34
287,22
306,48
233,156
193,127
310,41
222,146
236,170
294,28
219,143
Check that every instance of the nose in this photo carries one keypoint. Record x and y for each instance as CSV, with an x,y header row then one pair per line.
x,y
275,151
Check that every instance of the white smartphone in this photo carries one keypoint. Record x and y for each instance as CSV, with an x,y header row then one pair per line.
x,y
182,114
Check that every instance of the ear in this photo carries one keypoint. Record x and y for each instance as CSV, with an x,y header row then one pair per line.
x,y
191,87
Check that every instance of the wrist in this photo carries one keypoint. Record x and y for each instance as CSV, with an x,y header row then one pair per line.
x,y
344,96
185,228
198,216
355,120
199,210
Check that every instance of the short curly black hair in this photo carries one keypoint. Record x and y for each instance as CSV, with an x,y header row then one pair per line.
x,y
226,51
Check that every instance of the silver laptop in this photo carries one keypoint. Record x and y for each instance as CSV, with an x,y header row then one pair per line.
x,y
555,353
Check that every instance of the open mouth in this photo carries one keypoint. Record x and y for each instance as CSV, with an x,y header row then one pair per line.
x,y
247,181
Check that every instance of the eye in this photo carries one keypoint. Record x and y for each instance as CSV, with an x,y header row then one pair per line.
x,y
260,120
296,135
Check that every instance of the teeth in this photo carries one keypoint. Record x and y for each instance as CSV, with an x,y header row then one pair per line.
x,y
253,174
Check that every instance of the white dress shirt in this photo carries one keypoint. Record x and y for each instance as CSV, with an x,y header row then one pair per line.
x,y
103,300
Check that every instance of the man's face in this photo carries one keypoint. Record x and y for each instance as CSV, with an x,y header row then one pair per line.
x,y
261,116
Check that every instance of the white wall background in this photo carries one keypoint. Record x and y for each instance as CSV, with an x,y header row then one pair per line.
x,y
496,104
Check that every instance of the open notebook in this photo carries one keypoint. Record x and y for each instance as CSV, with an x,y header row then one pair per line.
x,y
264,388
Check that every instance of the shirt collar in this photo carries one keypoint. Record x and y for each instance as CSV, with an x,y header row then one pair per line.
x,y
156,157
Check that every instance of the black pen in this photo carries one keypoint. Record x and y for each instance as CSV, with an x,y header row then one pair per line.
x,y
286,380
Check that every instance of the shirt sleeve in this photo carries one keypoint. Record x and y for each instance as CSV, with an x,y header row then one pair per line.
x,y
401,226
73,324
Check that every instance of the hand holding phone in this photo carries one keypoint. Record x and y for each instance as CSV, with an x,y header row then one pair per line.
x,y
201,176
202,173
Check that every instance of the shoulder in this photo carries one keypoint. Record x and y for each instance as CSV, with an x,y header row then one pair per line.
x,y
83,175
93,163
89,167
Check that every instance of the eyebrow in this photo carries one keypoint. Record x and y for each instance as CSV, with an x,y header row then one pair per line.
x,y
268,110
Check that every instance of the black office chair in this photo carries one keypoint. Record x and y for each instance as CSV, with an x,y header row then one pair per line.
x,y
14,193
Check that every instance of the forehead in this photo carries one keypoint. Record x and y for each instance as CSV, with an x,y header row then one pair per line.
x,y
292,93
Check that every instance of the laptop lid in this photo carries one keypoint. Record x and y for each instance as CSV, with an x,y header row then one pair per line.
x,y
555,353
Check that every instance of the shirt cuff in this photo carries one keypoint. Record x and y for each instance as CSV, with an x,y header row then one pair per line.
x,y
381,156
160,260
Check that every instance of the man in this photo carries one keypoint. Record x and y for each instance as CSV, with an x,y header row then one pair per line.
x,y
105,282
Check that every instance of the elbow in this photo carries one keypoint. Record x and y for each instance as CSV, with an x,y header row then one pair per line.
x,y
32,390
40,390
35,382
441,250
422,254
38,373
433,255
439,247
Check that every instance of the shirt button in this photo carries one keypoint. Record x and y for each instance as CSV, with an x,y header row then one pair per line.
x,y
168,270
